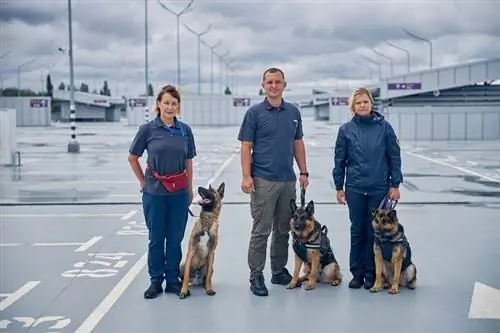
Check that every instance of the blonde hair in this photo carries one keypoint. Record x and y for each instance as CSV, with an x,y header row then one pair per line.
x,y
355,94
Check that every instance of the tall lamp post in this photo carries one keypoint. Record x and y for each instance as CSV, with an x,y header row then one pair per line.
x,y
212,52
198,36
424,40
146,63
73,145
376,63
185,10
405,51
221,67
386,57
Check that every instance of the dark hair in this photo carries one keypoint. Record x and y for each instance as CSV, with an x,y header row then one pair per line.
x,y
168,89
273,70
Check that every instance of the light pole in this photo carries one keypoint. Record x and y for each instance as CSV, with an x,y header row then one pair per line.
x,y
19,75
1,75
185,10
376,63
405,51
212,52
146,65
424,40
221,67
368,67
386,57
73,145
198,36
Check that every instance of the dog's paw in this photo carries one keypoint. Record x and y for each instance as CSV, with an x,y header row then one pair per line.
x,y
376,288
210,292
292,285
310,285
394,290
184,294
336,283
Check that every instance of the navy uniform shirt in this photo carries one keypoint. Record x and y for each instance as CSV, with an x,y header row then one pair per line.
x,y
168,148
273,131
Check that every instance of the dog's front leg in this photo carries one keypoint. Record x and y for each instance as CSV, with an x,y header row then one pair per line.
x,y
210,272
296,271
313,275
377,286
397,263
187,274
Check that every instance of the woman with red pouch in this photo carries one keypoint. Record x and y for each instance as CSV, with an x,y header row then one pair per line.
x,y
166,187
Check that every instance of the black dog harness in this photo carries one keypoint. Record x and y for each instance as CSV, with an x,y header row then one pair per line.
x,y
321,242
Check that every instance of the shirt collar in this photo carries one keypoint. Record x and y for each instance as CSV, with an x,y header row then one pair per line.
x,y
158,122
269,107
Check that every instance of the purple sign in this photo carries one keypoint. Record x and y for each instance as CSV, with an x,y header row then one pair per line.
x,y
340,100
39,103
137,102
239,101
404,86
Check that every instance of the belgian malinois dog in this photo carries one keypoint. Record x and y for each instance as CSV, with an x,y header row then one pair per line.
x,y
198,267
393,264
312,249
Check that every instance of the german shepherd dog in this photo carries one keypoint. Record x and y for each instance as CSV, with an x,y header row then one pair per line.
x,y
198,267
393,264
312,249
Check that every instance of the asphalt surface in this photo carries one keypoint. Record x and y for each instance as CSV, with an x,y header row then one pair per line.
x,y
73,239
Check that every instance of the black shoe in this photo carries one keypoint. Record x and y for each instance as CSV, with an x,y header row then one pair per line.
x,y
369,282
282,278
175,288
153,290
356,282
258,286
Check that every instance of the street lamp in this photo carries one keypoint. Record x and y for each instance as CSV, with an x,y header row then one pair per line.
x,y
422,39
198,36
73,145
386,57
404,50
212,52
185,10
146,64
376,63
221,67
19,75
366,66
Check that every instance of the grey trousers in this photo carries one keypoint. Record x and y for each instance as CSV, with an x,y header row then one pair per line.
x,y
270,209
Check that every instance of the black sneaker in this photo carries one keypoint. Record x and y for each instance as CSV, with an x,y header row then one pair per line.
x,y
175,288
369,282
153,290
356,282
258,286
282,278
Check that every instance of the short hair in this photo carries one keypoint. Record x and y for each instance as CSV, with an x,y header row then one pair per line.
x,y
273,70
168,89
355,94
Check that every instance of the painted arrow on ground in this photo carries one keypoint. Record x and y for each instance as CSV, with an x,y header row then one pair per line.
x,y
485,302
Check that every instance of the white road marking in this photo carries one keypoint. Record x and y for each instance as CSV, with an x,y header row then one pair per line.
x,y
129,215
107,303
62,215
10,244
485,302
451,158
472,163
91,242
83,181
470,172
16,295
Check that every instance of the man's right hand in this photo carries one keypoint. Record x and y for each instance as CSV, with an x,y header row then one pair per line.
x,y
247,185
341,197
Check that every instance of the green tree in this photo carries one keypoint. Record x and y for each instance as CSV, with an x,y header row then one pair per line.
x,y
48,86
227,91
62,86
261,91
150,90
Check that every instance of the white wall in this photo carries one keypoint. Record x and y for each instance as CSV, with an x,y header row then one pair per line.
x,y
8,140
26,114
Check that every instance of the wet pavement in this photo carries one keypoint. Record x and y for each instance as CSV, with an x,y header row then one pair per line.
x,y
73,239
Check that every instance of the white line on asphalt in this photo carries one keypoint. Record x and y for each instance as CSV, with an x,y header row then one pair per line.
x,y
83,181
63,215
472,163
57,244
107,303
10,244
129,215
16,295
470,172
91,242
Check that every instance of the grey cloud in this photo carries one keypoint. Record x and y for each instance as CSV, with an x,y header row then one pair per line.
x,y
30,12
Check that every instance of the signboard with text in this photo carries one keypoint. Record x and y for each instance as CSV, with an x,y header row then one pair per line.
x,y
137,102
239,101
340,100
39,103
404,86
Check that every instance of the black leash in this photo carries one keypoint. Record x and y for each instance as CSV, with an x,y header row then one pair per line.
x,y
302,197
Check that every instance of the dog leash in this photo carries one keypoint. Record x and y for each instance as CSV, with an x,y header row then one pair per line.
x,y
387,203
302,197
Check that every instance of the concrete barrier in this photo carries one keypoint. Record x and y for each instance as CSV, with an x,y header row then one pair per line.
x,y
9,156
33,111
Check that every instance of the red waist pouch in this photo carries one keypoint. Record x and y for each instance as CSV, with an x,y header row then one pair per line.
x,y
174,183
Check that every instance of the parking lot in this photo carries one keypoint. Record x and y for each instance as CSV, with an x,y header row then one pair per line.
x,y
80,266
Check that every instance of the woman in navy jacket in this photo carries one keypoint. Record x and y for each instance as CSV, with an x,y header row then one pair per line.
x,y
367,168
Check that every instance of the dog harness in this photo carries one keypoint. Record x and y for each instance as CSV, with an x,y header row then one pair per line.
x,y
321,242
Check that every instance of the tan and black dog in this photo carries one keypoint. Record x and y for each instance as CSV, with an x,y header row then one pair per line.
x,y
198,266
312,249
393,264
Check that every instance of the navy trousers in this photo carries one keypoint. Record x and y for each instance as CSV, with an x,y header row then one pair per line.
x,y
166,219
361,256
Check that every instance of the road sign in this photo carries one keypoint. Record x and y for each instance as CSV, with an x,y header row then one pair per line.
x,y
39,103
485,302
340,100
239,101
137,102
404,86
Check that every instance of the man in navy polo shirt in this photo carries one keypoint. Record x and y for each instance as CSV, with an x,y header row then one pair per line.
x,y
271,137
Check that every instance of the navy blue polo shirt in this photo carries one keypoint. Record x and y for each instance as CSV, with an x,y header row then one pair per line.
x,y
273,131
168,148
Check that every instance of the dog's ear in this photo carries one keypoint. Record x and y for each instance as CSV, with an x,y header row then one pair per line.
x,y
393,215
293,206
221,189
210,187
310,208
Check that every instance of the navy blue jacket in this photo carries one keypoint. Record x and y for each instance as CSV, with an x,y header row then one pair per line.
x,y
367,155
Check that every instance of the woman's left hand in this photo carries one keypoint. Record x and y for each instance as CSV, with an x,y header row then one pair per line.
x,y
394,193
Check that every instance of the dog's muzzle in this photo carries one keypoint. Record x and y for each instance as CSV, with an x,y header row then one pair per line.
x,y
300,225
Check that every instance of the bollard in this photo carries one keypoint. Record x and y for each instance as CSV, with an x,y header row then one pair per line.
x,y
73,145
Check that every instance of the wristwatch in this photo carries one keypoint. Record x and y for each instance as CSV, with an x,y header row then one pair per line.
x,y
305,174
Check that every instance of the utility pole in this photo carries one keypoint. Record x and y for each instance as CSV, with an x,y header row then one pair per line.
x,y
198,36
146,65
73,145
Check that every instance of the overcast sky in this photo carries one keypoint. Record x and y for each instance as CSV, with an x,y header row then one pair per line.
x,y
317,43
